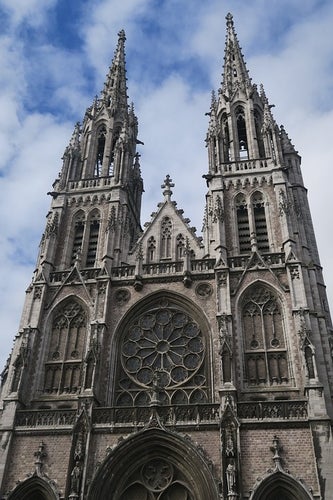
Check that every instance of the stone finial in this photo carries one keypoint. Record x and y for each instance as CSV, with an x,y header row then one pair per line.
x,y
229,18
167,185
40,455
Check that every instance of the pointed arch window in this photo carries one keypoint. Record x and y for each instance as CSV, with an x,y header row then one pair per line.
x,y
243,225
166,232
180,247
260,224
101,136
63,367
115,138
151,249
242,135
93,239
226,138
264,342
258,128
79,223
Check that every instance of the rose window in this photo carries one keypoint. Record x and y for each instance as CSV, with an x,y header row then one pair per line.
x,y
162,348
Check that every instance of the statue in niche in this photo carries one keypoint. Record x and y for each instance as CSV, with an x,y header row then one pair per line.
x,y
309,361
76,478
231,477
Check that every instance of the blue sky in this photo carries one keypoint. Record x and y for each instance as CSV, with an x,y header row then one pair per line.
x,y
54,56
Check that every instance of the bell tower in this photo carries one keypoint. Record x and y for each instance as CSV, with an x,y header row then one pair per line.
x,y
275,329
101,167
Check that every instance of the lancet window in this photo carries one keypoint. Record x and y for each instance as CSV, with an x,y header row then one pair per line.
x,y
115,138
251,223
166,232
79,223
264,341
243,224
260,222
151,249
180,247
242,135
63,367
93,239
226,138
258,127
101,136
162,357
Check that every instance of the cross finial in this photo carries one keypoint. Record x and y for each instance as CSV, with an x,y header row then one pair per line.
x,y
167,185
229,19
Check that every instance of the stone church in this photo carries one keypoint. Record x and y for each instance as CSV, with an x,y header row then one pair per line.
x,y
156,364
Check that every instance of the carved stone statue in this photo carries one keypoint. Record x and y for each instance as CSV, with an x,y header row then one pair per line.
x,y
76,478
231,478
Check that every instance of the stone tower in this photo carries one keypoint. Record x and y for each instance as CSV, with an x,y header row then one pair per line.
x,y
160,365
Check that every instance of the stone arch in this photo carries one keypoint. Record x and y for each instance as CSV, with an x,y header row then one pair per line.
x,y
67,324
34,488
264,339
164,316
280,486
158,465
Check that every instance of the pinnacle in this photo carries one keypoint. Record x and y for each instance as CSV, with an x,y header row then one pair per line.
x,y
235,74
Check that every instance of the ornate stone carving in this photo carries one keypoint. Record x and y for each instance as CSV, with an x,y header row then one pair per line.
x,y
218,212
285,206
38,292
294,272
40,455
122,296
204,290
112,221
222,278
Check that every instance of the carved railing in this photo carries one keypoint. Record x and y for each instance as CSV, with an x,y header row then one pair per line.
x,y
181,415
285,410
123,272
89,183
271,259
245,165
202,265
169,415
163,268
87,274
49,418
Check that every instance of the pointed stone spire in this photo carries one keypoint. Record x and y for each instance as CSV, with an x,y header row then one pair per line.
x,y
115,89
235,74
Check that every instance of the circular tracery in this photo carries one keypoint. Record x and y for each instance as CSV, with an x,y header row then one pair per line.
x,y
163,347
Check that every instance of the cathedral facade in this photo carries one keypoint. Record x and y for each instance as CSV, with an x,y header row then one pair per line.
x,y
159,365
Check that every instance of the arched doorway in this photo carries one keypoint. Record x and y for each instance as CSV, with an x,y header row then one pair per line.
x,y
280,486
154,464
34,488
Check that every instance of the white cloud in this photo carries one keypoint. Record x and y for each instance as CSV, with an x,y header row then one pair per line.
x,y
32,12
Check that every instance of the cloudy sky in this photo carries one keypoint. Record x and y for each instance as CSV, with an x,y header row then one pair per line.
x,y
54,56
